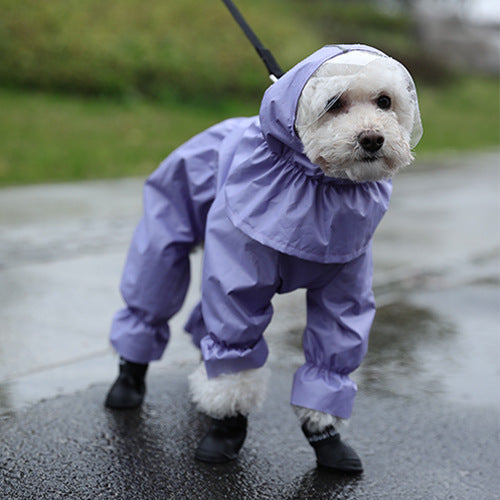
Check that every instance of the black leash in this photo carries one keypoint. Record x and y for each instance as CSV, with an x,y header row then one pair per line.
x,y
268,59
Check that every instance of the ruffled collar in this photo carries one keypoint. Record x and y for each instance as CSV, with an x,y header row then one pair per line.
x,y
276,196
285,202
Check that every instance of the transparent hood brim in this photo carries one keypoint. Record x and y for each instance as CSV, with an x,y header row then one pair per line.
x,y
334,78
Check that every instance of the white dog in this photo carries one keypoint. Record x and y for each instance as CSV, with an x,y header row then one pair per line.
x,y
364,130
289,199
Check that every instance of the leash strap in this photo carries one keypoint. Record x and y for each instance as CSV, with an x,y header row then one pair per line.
x,y
268,59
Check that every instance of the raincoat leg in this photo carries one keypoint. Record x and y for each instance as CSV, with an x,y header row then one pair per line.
x,y
155,280
240,277
339,318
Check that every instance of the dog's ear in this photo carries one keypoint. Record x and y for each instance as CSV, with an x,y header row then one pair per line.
x,y
413,122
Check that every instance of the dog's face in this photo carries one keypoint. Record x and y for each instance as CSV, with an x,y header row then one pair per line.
x,y
357,116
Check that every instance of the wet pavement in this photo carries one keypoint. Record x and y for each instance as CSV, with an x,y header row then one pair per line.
x,y
427,417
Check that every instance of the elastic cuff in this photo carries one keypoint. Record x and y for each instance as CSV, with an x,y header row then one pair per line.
x,y
136,340
319,389
222,359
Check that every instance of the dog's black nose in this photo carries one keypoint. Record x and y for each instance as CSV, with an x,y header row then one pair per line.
x,y
370,141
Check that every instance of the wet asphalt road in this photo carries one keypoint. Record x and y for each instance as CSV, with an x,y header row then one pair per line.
x,y
427,417
412,447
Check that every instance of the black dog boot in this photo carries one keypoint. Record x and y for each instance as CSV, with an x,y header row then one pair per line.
x,y
332,452
129,388
223,440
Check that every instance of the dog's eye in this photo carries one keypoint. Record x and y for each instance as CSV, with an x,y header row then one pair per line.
x,y
384,102
334,104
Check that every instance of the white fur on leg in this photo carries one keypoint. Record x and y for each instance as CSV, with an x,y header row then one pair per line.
x,y
228,395
316,421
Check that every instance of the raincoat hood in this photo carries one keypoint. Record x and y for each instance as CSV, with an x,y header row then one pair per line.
x,y
279,104
275,195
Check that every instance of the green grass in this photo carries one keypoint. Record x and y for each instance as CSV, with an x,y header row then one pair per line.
x,y
48,137
153,48
463,115
184,48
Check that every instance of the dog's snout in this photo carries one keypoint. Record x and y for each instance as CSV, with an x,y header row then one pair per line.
x,y
371,141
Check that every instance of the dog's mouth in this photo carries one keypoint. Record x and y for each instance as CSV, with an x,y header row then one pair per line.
x,y
370,158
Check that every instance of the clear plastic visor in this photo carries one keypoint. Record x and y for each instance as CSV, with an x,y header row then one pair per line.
x,y
361,71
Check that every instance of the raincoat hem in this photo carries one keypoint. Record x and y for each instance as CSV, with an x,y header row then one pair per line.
x,y
285,247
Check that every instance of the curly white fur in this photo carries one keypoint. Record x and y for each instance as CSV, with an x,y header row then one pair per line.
x,y
317,421
331,138
228,395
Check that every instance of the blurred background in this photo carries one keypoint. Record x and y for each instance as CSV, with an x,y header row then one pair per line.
x,y
92,89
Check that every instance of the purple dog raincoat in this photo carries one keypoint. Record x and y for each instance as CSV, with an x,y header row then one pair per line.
x,y
271,222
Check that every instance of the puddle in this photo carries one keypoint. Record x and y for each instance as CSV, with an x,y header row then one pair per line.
x,y
442,343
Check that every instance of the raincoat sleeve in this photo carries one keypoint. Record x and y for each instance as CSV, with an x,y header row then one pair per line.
x,y
339,318
239,280
176,200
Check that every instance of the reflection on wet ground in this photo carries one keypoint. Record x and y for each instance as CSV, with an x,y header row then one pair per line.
x,y
442,338
394,364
